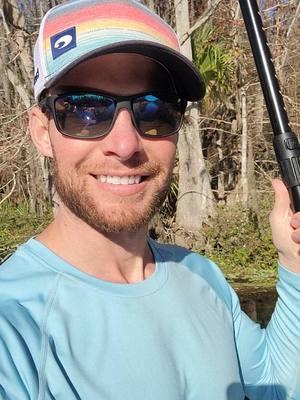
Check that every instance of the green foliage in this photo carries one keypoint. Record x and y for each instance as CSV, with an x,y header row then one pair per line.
x,y
235,240
17,224
168,208
215,59
242,246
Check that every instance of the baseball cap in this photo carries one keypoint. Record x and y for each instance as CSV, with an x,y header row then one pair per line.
x,y
77,30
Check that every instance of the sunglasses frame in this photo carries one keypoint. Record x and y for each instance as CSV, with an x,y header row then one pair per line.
x,y
121,102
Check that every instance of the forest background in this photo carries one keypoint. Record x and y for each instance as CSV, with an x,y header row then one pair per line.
x,y
221,193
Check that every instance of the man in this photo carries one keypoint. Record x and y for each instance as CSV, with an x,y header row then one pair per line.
x,y
92,308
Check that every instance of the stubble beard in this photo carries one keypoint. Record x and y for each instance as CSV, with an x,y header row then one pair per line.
x,y
128,214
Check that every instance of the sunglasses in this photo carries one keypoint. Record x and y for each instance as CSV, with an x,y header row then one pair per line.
x,y
90,115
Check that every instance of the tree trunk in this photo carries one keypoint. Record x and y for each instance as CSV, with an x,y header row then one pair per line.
x,y
195,198
3,63
221,173
244,158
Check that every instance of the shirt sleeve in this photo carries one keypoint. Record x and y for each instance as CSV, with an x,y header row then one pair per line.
x,y
270,358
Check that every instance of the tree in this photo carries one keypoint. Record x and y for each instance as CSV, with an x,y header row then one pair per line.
x,y
21,166
214,58
195,202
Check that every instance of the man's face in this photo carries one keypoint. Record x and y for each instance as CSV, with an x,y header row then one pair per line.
x,y
113,183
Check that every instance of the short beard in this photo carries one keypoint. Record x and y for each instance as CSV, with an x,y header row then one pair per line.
x,y
74,194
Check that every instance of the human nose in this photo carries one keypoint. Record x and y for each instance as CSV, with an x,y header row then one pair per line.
x,y
123,141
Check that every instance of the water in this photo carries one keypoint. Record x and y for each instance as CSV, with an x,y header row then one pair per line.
x,y
258,302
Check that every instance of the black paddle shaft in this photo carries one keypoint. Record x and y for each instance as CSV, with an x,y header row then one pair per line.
x,y
285,142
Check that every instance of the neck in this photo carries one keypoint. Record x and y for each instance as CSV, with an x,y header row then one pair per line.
x,y
122,257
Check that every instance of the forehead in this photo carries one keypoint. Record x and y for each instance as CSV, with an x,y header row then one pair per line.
x,y
119,74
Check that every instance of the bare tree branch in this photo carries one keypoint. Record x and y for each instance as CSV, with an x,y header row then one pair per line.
x,y
11,191
19,87
4,21
286,50
201,21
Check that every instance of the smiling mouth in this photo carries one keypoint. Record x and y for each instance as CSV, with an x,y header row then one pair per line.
x,y
120,180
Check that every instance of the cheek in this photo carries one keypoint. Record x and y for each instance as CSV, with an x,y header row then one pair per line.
x,y
68,151
164,152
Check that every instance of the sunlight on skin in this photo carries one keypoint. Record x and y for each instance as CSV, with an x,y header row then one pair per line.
x,y
102,213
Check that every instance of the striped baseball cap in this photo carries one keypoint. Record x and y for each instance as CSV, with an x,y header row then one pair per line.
x,y
80,29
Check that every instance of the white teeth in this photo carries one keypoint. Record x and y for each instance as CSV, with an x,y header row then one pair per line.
x,y
120,180
115,180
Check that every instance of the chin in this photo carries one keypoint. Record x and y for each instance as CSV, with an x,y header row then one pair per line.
x,y
115,219
109,213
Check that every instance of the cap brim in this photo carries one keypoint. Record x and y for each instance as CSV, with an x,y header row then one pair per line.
x,y
187,77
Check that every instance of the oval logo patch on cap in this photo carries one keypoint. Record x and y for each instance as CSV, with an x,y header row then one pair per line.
x,y
63,42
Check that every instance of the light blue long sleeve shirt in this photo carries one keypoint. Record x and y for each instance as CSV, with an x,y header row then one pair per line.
x,y
178,335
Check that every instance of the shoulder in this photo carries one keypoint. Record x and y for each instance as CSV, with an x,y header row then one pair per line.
x,y
198,266
25,284
21,270
194,262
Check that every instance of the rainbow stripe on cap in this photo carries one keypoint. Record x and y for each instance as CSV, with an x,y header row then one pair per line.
x,y
77,29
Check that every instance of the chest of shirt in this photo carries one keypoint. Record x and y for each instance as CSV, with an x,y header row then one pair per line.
x,y
152,347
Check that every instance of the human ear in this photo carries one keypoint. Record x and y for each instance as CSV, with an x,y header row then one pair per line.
x,y
39,131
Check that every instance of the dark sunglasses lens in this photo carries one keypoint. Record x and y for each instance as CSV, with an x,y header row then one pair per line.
x,y
84,115
157,117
